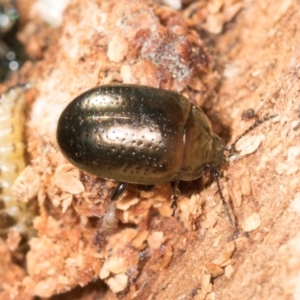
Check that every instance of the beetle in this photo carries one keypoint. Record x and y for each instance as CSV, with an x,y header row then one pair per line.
x,y
140,134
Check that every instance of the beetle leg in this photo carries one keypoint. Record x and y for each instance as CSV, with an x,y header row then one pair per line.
x,y
217,176
119,190
176,193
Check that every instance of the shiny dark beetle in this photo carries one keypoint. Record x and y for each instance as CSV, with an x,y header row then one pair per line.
x,y
138,134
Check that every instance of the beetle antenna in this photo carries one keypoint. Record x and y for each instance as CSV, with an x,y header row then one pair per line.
x,y
216,175
256,124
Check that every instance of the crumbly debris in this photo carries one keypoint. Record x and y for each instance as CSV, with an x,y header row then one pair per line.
x,y
81,234
249,144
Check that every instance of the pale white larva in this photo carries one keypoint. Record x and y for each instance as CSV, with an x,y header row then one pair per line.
x,y
13,213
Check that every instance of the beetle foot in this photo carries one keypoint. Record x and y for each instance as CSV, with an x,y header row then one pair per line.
x,y
173,206
174,203
176,193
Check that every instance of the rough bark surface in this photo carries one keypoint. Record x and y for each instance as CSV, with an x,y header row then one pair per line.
x,y
253,61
